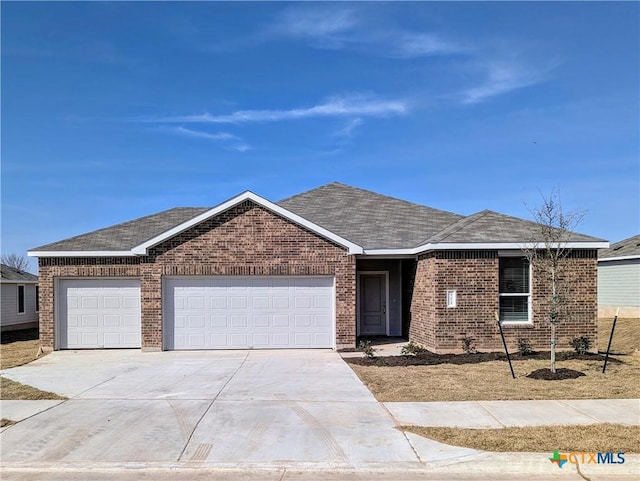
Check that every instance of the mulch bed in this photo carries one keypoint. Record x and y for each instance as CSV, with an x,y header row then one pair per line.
x,y
559,375
430,359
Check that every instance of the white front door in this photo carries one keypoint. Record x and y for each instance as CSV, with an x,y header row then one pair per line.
x,y
98,313
225,312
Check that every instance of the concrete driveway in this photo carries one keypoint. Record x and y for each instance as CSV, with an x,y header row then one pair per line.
x,y
224,407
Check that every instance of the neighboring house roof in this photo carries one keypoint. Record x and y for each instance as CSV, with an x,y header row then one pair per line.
x,y
371,220
361,220
625,249
11,275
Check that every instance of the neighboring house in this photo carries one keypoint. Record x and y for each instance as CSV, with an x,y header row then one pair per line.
x,y
19,299
316,270
619,279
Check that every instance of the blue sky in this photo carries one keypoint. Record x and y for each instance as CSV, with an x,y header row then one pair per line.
x,y
112,111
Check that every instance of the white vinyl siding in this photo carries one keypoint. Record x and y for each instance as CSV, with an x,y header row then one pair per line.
x,y
9,306
226,312
619,283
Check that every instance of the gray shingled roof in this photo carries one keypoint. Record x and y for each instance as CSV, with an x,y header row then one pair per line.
x,y
127,235
371,220
489,226
624,248
11,274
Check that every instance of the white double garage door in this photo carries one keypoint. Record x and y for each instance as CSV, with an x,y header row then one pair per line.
x,y
220,312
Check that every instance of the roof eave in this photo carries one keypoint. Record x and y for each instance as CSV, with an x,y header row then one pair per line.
x,y
484,246
80,254
619,258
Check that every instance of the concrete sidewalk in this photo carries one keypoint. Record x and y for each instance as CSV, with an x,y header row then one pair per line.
x,y
502,414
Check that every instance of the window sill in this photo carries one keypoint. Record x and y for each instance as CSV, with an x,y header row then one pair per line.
x,y
517,323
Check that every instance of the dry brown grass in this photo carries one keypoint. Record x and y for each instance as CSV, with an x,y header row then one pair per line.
x,y
590,438
492,380
14,390
6,422
626,337
18,348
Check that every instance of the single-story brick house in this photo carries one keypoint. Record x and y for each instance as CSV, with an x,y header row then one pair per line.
x,y
19,299
619,279
315,270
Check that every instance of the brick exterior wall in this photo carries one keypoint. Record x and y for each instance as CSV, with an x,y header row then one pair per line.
x,y
474,275
245,240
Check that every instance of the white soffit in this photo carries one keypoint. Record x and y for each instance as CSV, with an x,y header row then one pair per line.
x,y
484,246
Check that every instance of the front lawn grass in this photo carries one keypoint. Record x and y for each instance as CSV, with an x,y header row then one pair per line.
x,y
18,348
626,337
12,390
590,438
480,377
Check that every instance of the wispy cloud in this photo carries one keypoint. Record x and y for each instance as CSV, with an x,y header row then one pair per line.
x,y
232,142
410,45
347,131
343,28
501,78
325,26
346,106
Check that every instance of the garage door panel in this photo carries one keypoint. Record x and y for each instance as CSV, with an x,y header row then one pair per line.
x,y
250,312
261,340
89,321
281,320
89,302
303,320
239,321
99,313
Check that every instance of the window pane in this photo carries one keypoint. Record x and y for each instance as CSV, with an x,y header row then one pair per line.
x,y
37,298
20,299
514,275
514,309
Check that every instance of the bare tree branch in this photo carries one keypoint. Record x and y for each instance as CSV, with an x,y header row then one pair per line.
x,y
16,261
548,254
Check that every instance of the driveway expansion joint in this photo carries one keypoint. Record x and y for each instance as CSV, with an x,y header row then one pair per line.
x,y
479,403
195,427
564,401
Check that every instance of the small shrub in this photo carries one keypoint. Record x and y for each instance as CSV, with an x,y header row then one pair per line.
x,y
412,349
467,345
524,347
581,344
367,349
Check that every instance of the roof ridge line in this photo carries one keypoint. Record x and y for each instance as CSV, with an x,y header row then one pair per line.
x,y
460,223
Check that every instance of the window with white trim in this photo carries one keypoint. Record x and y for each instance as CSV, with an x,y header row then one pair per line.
x,y
515,289
20,299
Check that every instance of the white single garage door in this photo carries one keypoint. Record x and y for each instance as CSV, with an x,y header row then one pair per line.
x,y
99,313
248,312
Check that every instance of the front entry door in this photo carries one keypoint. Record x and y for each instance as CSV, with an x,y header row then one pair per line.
x,y
373,304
